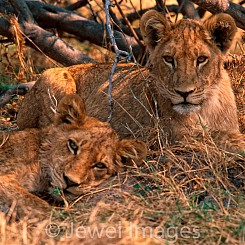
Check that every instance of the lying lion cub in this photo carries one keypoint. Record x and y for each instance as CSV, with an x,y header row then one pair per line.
x,y
76,152
185,90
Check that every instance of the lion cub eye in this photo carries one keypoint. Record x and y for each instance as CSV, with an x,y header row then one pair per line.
x,y
169,60
201,59
73,146
99,166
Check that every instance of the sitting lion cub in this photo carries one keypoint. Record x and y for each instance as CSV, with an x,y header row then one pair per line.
x,y
76,152
184,91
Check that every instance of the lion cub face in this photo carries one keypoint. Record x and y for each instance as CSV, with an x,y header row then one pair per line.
x,y
186,57
81,151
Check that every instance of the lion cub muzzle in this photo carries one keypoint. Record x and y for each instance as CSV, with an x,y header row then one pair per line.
x,y
69,182
184,102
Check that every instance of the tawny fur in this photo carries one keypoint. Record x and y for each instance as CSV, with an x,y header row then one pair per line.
x,y
76,152
185,89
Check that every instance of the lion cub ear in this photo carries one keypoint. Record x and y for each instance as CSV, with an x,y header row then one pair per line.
x,y
153,27
222,28
135,150
71,110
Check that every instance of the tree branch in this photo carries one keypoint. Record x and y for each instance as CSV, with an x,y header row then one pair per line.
x,y
117,24
42,40
160,6
188,9
50,16
216,6
129,25
24,13
118,54
77,5
46,42
20,89
136,15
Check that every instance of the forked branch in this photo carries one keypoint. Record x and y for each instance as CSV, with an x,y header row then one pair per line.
x,y
118,53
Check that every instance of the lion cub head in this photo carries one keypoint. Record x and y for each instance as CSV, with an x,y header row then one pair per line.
x,y
186,58
81,151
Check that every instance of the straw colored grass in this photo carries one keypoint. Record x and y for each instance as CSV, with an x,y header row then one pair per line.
x,y
190,193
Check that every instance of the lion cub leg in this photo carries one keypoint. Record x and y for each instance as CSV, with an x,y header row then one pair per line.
x,y
25,202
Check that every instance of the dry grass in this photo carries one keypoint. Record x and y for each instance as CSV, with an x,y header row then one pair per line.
x,y
236,69
191,193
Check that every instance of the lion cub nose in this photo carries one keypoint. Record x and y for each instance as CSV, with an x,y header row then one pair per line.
x,y
184,94
70,182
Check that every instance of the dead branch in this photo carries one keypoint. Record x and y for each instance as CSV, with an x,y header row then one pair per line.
x,y
24,13
41,16
77,5
217,6
118,54
187,9
137,14
41,39
117,24
50,16
20,89
116,21
54,17
201,12
129,25
160,6
48,43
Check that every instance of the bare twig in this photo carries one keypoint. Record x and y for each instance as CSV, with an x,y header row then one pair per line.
x,y
160,6
129,25
135,10
137,14
94,14
117,24
118,54
114,18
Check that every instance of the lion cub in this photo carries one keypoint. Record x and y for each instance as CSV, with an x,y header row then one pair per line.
x,y
75,152
185,90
